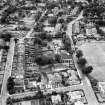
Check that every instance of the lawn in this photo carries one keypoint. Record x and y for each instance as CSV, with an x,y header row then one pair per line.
x,y
94,52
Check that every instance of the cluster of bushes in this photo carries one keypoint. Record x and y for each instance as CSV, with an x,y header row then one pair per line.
x,y
67,43
47,60
94,9
82,63
10,85
52,20
44,60
6,13
43,37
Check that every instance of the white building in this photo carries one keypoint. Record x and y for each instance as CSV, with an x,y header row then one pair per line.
x,y
76,27
101,86
79,103
90,29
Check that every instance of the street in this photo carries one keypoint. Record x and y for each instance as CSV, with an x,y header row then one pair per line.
x,y
86,87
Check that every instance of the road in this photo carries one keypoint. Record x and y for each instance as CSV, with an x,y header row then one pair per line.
x,y
8,69
62,89
89,93
32,29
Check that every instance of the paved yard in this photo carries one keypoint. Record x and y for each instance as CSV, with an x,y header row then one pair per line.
x,y
94,52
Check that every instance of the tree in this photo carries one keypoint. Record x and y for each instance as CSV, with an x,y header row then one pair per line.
x,y
52,20
81,62
67,44
49,37
10,9
61,20
89,1
16,40
43,60
79,54
3,20
87,70
38,41
94,9
39,94
58,58
6,36
43,35
6,48
10,85
44,43
9,101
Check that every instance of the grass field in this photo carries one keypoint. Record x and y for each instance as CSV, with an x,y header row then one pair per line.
x,y
94,52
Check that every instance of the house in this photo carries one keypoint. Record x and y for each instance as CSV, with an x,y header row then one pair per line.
x,y
60,67
66,58
76,27
80,37
74,95
90,29
19,85
49,29
101,86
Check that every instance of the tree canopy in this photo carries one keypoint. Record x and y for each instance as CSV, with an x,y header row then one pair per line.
x,y
44,60
94,9
79,53
87,70
81,62
10,85
6,36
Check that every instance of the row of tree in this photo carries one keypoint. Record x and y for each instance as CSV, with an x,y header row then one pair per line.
x,y
5,37
82,63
